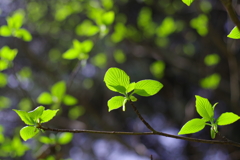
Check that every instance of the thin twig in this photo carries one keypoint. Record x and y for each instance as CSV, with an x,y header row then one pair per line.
x,y
142,119
141,133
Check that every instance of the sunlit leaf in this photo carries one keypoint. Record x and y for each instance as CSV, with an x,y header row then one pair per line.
x,y
99,60
227,118
204,108
234,34
47,115
188,2
119,56
147,87
71,54
192,126
116,80
28,132
115,102
7,53
24,117
87,46
3,65
211,59
157,69
36,113
24,34
211,82
131,87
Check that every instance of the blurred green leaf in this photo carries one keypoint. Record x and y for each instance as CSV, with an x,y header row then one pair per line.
x,y
107,4
58,90
45,98
3,65
157,69
200,24
3,80
211,59
99,60
5,31
28,132
119,56
115,102
227,118
188,2
192,126
87,46
7,53
4,102
69,100
211,82
25,104
71,54
86,28
65,138
234,34
76,112
24,34
108,17
166,28
46,140
16,20
147,87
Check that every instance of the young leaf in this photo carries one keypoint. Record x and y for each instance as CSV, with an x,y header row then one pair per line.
x,y
227,118
71,54
147,87
117,80
87,46
24,117
58,89
48,115
234,34
45,98
204,108
36,113
28,132
131,87
115,102
108,17
188,2
192,126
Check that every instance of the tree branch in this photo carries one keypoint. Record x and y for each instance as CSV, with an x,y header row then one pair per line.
x,y
141,133
231,12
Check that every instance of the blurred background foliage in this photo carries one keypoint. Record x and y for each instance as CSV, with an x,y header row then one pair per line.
x,y
55,53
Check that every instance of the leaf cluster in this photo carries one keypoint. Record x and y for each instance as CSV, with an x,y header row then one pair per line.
x,y
206,111
118,81
34,119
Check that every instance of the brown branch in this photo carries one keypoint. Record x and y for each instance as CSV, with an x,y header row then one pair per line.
x,y
231,12
141,133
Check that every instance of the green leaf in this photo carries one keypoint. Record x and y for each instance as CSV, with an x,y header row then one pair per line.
x,y
45,98
204,108
108,17
192,126
28,132
131,87
71,54
16,20
234,34
87,46
211,82
115,102
48,115
5,31
69,100
65,138
3,80
36,113
76,112
46,140
58,90
227,118
76,44
147,87
3,65
133,99
117,80
24,34
188,2
7,53
24,117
